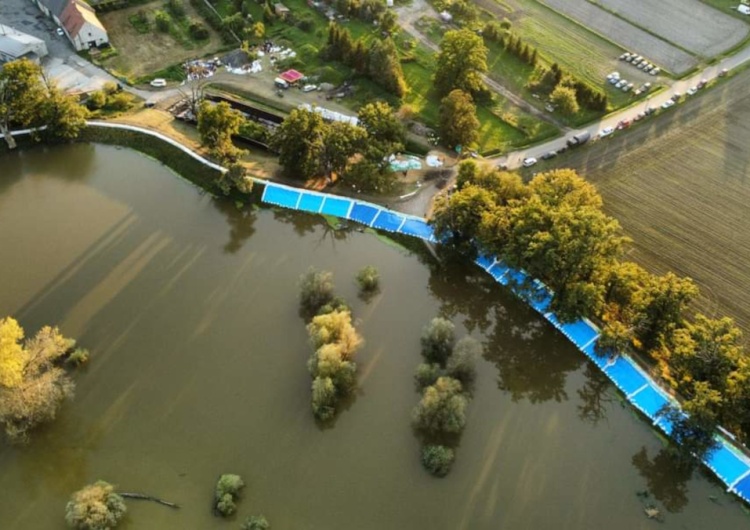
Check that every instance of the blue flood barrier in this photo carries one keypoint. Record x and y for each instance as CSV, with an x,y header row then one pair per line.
x,y
364,213
336,207
649,401
310,203
388,221
626,376
729,465
281,196
485,261
417,228
743,488
726,464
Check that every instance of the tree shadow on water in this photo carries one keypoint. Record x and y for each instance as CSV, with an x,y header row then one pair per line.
x,y
241,223
595,394
666,477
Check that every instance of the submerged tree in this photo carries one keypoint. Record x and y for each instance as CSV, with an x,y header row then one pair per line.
x,y
226,494
368,279
438,339
442,409
438,459
316,289
256,522
32,384
95,507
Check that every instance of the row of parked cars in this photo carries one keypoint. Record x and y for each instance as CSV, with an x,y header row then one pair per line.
x,y
640,63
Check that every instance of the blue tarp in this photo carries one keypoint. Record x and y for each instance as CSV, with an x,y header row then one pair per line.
x,y
599,360
388,221
417,228
310,202
336,207
743,488
626,376
498,270
727,464
363,213
649,401
281,196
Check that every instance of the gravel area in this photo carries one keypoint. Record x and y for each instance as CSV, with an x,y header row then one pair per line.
x,y
690,24
626,35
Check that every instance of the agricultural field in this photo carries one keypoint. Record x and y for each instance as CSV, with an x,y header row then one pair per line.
x,y
142,49
680,187
689,24
657,50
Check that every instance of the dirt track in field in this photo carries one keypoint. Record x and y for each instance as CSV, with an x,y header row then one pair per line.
x,y
689,24
680,187
625,34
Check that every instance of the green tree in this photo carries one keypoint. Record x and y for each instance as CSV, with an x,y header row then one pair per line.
x,y
63,115
564,98
385,67
299,140
370,176
458,120
216,126
426,375
389,21
438,339
95,507
316,289
323,398
226,493
660,308
22,94
438,459
693,431
256,522
163,21
442,409
459,215
368,279
460,63
385,132
341,141
96,100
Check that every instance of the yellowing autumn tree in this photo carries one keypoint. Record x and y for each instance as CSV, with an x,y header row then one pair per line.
x,y
12,355
33,385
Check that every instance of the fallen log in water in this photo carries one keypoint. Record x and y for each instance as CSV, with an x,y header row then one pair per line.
x,y
144,497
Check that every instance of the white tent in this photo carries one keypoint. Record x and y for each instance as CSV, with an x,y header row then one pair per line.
x,y
744,9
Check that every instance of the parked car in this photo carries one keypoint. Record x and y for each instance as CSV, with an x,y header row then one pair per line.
x,y
613,75
627,87
606,132
549,154
702,83
724,71
614,80
621,83
646,86
641,66
549,107
667,104
625,56
639,116
692,90
624,124
655,71
309,88
676,97
159,82
528,162
60,32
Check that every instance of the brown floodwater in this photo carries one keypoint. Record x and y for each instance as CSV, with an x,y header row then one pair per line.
x,y
189,307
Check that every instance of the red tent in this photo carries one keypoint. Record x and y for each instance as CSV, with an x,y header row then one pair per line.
x,y
291,76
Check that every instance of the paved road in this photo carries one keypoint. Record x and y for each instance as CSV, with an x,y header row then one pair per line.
x,y
514,160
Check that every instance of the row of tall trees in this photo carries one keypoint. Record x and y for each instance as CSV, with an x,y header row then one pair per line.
x,y
377,59
554,229
29,99
549,80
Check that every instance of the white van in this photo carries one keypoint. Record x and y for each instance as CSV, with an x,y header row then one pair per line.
x,y
158,82
280,83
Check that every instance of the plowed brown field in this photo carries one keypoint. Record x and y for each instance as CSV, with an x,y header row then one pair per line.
x,y
680,187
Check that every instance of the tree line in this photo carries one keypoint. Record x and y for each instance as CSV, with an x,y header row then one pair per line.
x,y
555,230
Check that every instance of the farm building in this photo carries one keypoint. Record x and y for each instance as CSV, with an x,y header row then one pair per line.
x,y
16,45
78,20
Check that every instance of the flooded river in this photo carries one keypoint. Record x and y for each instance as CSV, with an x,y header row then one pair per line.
x,y
189,307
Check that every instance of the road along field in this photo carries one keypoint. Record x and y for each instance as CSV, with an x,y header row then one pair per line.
x,y
144,53
689,24
626,34
680,187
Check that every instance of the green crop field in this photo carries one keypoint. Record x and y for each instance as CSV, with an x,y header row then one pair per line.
x,y
680,187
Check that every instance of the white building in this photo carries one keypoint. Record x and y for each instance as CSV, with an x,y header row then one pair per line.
x,y
78,20
16,45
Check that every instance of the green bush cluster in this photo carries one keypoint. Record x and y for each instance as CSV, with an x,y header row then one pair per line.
x,y
226,494
368,279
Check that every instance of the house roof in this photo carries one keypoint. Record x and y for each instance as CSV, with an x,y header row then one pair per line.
x,y
56,7
291,76
76,14
17,44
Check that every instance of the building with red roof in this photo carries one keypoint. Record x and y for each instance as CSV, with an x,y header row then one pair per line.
x,y
292,76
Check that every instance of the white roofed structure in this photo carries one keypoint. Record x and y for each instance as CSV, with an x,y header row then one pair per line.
x,y
16,45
